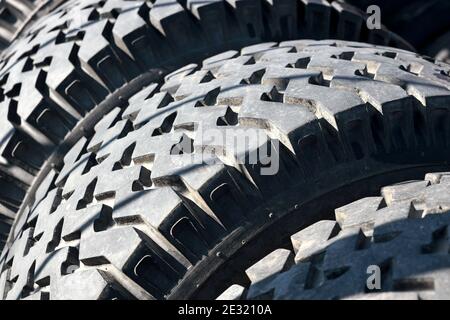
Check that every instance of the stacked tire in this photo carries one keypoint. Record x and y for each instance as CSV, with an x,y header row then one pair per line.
x,y
107,105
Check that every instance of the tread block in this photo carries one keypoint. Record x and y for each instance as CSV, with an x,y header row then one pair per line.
x,y
90,284
136,261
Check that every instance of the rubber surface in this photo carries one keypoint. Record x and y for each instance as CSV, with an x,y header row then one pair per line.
x,y
404,232
129,215
71,60
16,15
420,22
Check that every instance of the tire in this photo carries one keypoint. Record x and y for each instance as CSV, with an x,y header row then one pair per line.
x,y
16,15
404,232
128,214
440,48
418,22
73,65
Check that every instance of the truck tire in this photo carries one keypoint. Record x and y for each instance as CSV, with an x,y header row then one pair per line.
x,y
15,16
130,213
440,48
402,234
72,65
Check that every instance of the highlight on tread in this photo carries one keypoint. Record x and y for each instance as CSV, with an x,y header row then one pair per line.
x,y
78,59
342,112
404,232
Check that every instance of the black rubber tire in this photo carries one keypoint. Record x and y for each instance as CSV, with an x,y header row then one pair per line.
x,y
16,15
420,22
404,232
127,214
84,54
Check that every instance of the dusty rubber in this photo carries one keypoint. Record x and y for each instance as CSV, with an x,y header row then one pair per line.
x,y
404,232
127,214
440,48
15,16
420,22
69,61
